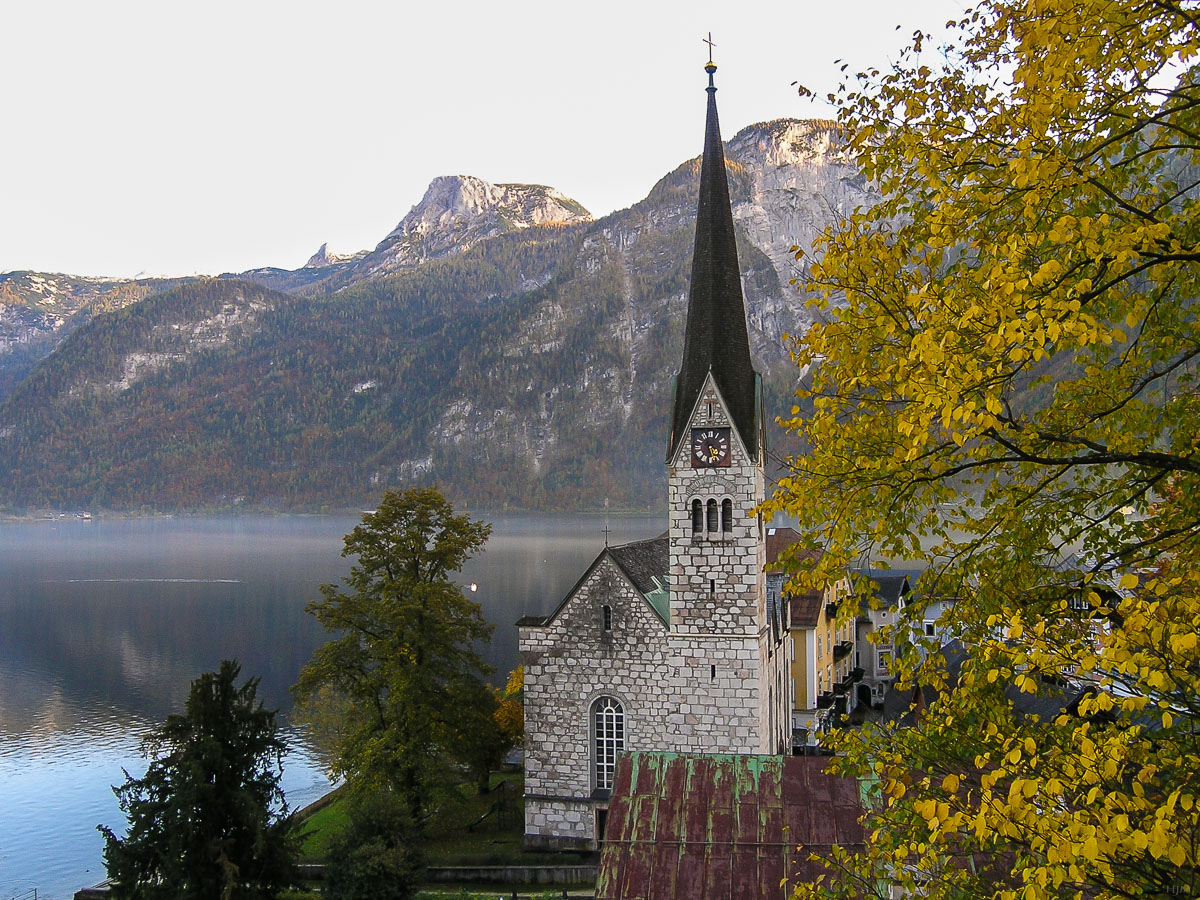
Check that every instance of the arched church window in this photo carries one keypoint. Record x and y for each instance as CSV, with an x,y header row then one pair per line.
x,y
606,612
697,517
727,516
608,734
713,524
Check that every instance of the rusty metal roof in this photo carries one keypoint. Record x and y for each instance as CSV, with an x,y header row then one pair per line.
x,y
716,827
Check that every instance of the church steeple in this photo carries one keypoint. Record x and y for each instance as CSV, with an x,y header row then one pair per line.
x,y
716,338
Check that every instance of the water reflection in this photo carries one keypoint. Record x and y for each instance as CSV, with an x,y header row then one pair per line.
x,y
104,624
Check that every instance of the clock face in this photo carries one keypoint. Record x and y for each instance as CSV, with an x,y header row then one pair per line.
x,y
710,447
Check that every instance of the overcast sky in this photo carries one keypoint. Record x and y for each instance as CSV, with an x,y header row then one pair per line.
x,y
179,138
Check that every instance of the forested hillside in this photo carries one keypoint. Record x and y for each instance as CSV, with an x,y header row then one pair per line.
x,y
532,370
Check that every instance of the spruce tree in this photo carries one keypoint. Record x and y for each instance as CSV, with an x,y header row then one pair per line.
x,y
206,820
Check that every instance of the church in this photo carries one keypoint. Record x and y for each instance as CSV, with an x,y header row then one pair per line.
x,y
669,644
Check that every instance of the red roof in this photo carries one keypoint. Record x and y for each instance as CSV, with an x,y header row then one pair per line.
x,y
716,827
779,539
806,609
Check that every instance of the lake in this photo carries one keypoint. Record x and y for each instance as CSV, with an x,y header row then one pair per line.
x,y
104,624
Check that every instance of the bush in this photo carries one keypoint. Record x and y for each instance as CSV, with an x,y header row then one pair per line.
x,y
376,857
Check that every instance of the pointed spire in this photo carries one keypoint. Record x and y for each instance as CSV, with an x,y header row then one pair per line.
x,y
716,338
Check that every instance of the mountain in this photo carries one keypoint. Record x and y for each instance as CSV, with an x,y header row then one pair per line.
x,y
498,342
323,258
459,211
456,213
38,310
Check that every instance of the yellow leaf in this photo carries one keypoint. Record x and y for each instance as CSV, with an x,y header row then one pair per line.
x,y
1089,850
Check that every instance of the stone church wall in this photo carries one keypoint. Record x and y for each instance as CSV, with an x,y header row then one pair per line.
x,y
684,693
569,664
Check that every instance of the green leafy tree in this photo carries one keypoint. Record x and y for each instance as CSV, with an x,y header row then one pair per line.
x,y
206,820
403,661
377,856
1003,384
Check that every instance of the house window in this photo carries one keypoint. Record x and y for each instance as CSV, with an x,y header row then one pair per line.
x,y
727,516
606,611
930,629
713,524
697,517
608,733
883,660
819,650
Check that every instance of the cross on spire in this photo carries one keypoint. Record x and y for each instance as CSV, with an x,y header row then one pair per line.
x,y
715,336
606,533
710,43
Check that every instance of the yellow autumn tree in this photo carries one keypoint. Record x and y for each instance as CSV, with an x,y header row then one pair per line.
x,y
1002,386
510,709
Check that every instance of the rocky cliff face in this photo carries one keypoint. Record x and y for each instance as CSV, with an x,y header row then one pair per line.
x,y
323,259
799,179
459,211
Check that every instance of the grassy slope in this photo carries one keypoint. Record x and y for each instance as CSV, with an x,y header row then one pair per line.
x,y
452,838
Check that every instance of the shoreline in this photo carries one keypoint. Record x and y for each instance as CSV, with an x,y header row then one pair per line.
x,y
42,515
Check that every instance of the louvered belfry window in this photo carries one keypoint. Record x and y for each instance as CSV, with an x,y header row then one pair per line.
x,y
609,736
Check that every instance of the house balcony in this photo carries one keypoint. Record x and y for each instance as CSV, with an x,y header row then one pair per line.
x,y
831,610
825,700
856,674
840,706
839,688
842,649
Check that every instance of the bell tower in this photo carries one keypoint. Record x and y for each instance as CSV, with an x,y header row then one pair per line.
x,y
715,483
715,455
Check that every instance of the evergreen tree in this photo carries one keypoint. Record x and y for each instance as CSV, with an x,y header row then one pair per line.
x,y
206,820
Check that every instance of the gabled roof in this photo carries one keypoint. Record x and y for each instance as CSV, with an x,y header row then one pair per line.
x,y
716,338
644,562
641,562
722,826
891,584
805,609
779,539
